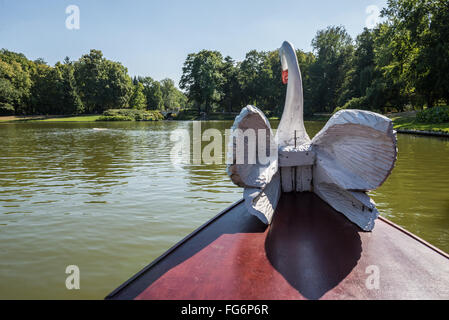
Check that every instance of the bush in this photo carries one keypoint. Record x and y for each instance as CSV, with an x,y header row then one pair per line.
x,y
186,115
131,115
6,109
360,103
433,115
114,118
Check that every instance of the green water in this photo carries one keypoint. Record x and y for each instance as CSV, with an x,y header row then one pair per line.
x,y
111,201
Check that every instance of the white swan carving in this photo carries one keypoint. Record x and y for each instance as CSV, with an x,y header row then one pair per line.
x,y
353,153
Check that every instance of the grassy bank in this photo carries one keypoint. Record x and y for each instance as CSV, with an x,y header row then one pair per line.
x,y
109,115
408,121
84,118
402,121
190,114
87,118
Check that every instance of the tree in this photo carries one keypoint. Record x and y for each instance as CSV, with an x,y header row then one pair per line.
x,y
45,90
88,73
361,73
138,99
103,84
202,78
69,98
169,94
15,82
306,61
40,61
391,89
117,86
255,77
420,45
153,93
333,48
10,95
232,93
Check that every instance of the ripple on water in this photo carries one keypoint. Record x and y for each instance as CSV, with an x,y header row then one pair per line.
x,y
111,201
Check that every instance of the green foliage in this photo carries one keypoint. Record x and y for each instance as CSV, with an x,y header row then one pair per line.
x,y
334,50
202,78
359,103
90,85
153,93
54,90
400,64
115,118
172,98
15,82
434,115
187,114
419,46
6,108
69,99
131,115
138,99
231,89
103,84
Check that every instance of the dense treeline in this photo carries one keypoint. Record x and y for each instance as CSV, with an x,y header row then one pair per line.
x,y
92,84
403,63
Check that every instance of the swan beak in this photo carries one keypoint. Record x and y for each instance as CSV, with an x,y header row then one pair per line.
x,y
285,76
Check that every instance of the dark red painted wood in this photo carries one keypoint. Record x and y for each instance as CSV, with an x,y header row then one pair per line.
x,y
309,252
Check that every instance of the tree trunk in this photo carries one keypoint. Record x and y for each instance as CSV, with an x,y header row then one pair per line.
x,y
430,101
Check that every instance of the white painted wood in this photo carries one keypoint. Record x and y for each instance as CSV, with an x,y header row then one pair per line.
x,y
355,205
260,181
353,153
296,168
292,124
262,203
287,179
352,204
246,174
357,149
291,132
304,175
292,157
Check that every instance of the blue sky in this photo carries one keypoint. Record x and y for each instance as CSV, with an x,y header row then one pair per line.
x,y
154,37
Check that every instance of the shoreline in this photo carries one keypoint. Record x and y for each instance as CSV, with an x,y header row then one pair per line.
x,y
398,121
424,132
49,118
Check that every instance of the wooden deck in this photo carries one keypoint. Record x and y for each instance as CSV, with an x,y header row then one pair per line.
x,y
309,252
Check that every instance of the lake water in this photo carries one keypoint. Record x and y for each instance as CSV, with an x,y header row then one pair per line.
x,y
110,201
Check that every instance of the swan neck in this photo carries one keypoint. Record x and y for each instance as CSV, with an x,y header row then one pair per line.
x,y
291,128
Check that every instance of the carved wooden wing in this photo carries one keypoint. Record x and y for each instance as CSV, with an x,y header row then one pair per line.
x,y
253,154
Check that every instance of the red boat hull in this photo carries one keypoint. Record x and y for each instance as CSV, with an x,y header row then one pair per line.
x,y
310,251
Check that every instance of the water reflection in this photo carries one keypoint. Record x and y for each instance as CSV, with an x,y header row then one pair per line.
x,y
111,201
416,195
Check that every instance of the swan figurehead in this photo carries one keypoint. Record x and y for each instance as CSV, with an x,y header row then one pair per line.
x,y
291,126
354,153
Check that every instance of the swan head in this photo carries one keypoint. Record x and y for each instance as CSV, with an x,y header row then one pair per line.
x,y
291,129
289,61
284,65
